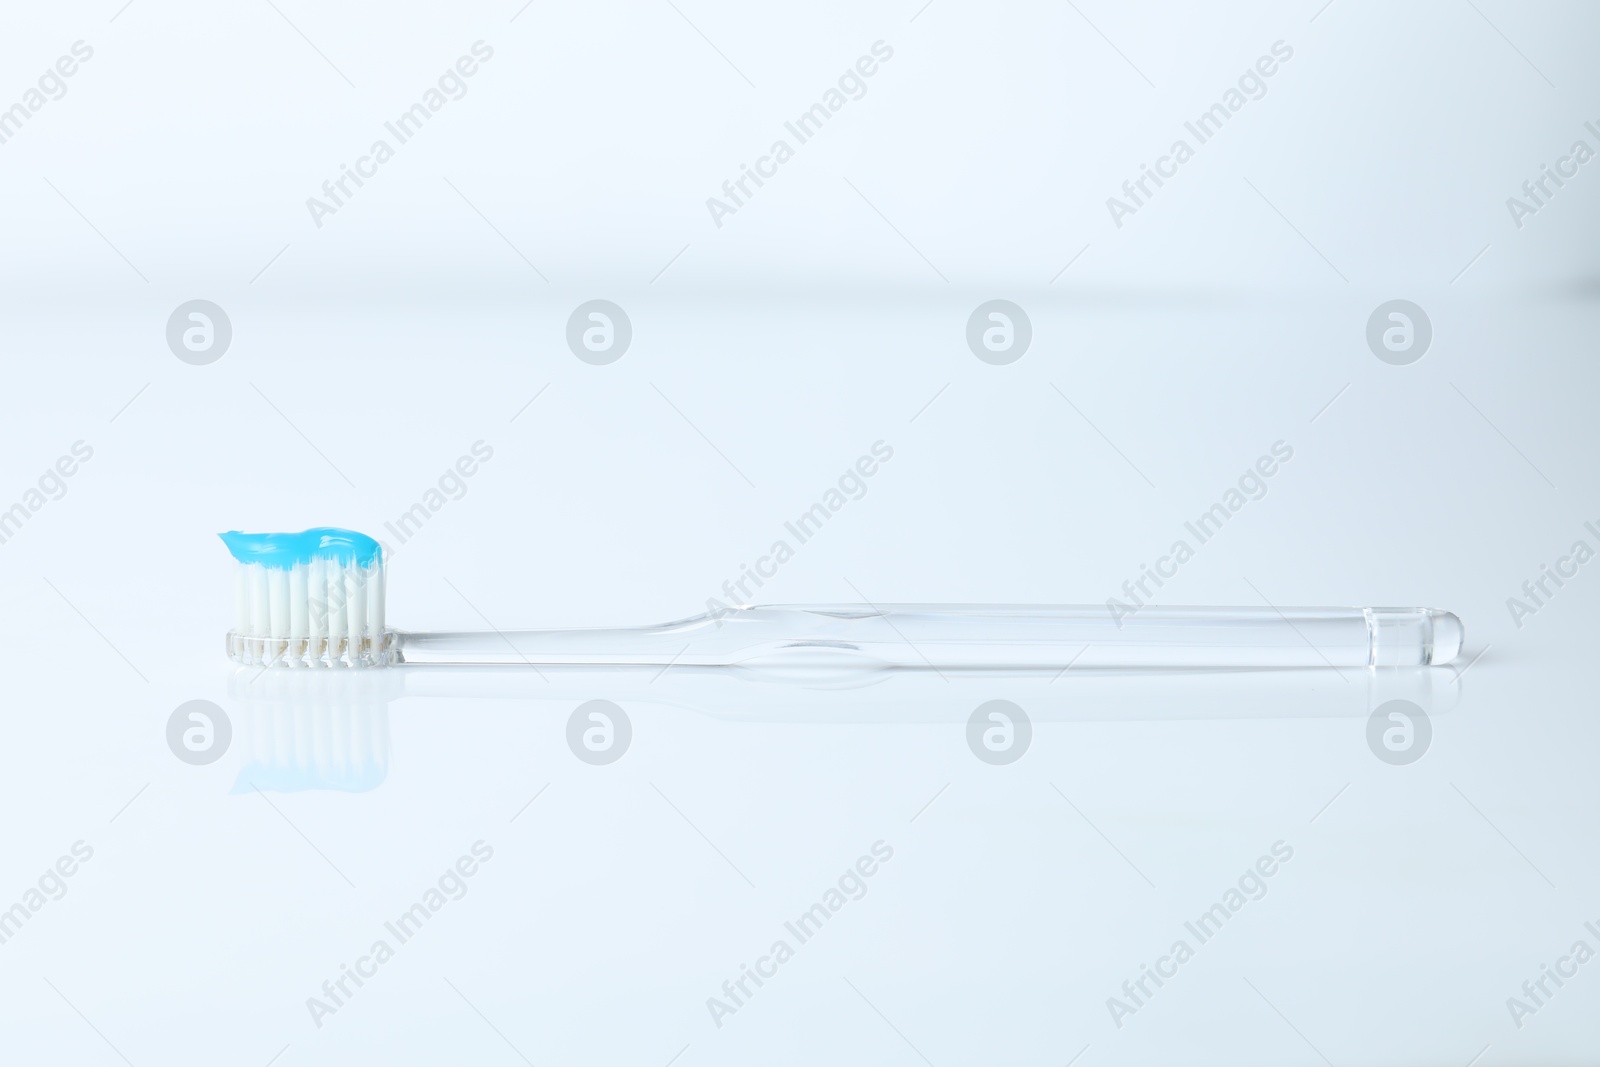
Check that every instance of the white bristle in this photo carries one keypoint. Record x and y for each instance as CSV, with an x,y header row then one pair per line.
x,y
321,612
278,605
338,616
260,619
241,598
355,596
375,599
317,599
299,603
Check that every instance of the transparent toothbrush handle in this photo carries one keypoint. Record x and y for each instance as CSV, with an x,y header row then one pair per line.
x,y
940,636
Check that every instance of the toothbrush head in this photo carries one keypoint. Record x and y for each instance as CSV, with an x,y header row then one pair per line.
x,y
308,599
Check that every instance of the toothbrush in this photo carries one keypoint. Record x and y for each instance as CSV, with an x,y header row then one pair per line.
x,y
317,599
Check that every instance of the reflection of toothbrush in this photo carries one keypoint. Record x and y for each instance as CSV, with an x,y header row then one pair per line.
x,y
903,698
317,599
313,731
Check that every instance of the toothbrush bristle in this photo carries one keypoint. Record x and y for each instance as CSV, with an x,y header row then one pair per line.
x,y
308,599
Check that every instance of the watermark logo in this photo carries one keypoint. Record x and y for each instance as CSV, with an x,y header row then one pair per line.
x,y
199,332
1540,589
51,86
1399,732
999,732
599,732
451,485
599,332
1537,192
851,885
851,485
1251,886
999,332
1399,332
198,732
1252,85
51,886
1252,485
852,85
451,885
451,85
1537,992
51,485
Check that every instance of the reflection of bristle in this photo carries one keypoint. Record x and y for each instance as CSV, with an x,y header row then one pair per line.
x,y
314,731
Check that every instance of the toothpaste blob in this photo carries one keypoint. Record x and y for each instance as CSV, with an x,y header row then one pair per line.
x,y
281,551
308,599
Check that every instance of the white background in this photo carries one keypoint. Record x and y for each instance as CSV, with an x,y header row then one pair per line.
x,y
767,355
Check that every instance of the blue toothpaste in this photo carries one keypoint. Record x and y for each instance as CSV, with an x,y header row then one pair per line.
x,y
282,551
